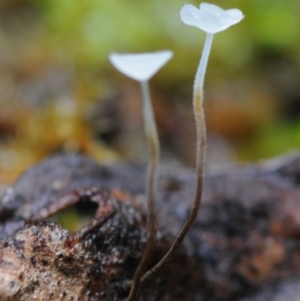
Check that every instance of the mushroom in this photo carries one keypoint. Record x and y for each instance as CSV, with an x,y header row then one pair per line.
x,y
142,67
211,19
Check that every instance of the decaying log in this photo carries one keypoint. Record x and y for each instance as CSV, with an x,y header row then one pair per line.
x,y
244,245
42,261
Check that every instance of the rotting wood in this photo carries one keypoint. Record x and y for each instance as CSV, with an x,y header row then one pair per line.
x,y
246,238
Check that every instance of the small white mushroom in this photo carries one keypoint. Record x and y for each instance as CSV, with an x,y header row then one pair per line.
x,y
141,67
211,19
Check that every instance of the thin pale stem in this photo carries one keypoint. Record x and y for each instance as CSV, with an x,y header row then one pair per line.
x,y
200,159
151,134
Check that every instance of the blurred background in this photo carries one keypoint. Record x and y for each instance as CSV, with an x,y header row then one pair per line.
x,y
59,93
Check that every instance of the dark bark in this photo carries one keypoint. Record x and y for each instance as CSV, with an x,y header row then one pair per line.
x,y
246,240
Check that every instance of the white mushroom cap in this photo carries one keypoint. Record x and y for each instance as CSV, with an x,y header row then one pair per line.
x,y
140,66
210,18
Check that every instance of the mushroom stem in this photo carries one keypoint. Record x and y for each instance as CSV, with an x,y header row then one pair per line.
x,y
199,79
200,158
151,134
